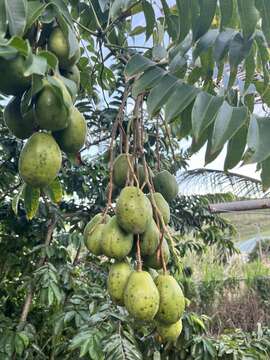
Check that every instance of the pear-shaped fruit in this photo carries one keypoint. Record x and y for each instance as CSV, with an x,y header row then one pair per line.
x,y
154,261
20,126
162,205
13,81
72,138
166,184
172,300
51,111
170,333
133,210
93,233
117,280
40,160
59,45
73,74
141,296
149,239
121,169
116,243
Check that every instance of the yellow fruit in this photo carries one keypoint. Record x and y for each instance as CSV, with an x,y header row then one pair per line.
x,y
133,210
162,205
72,138
170,333
166,184
93,233
172,300
59,45
117,280
20,126
149,239
121,169
40,160
13,81
154,261
116,243
141,296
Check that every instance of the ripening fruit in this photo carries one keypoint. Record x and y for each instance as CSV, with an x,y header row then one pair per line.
x,y
166,184
40,160
150,239
162,205
141,296
115,242
117,280
13,81
72,138
93,233
20,126
154,261
133,210
170,333
172,300
59,45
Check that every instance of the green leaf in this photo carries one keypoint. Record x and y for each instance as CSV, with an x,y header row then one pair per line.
x,y
137,64
160,94
149,79
239,49
35,64
205,42
184,18
138,30
264,8
16,199
264,91
204,112
248,17
250,66
222,44
19,345
263,55
226,13
172,27
51,59
31,201
181,97
16,16
150,19
209,156
54,191
228,121
3,18
235,149
265,174
207,13
34,10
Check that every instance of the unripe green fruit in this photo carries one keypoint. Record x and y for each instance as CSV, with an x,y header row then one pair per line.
x,y
93,232
121,169
170,333
73,74
154,261
162,206
40,160
149,239
117,280
166,184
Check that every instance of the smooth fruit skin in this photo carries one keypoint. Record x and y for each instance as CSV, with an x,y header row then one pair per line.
x,y
141,296
149,239
117,281
40,160
154,262
162,205
13,81
50,113
120,169
166,184
72,138
116,243
133,210
73,74
93,233
170,333
58,44
20,126
172,300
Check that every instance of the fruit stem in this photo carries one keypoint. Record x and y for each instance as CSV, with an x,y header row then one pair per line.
x,y
164,267
138,254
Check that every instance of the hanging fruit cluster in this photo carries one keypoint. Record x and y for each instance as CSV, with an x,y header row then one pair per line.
x,y
40,72
138,233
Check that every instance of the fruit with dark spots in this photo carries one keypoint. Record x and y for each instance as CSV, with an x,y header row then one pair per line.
x,y
141,296
170,333
20,126
116,243
72,138
162,206
40,160
93,233
172,300
133,210
117,280
154,261
150,239
166,184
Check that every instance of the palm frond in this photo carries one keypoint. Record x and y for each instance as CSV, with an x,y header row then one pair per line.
x,y
207,181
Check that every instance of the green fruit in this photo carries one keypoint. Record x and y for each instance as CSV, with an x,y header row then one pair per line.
x,y
166,184
59,45
153,273
51,113
13,81
40,160
72,138
116,243
154,261
20,126
121,169
117,280
170,333
133,210
73,74
93,233
141,174
149,239
141,296
172,300
162,205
